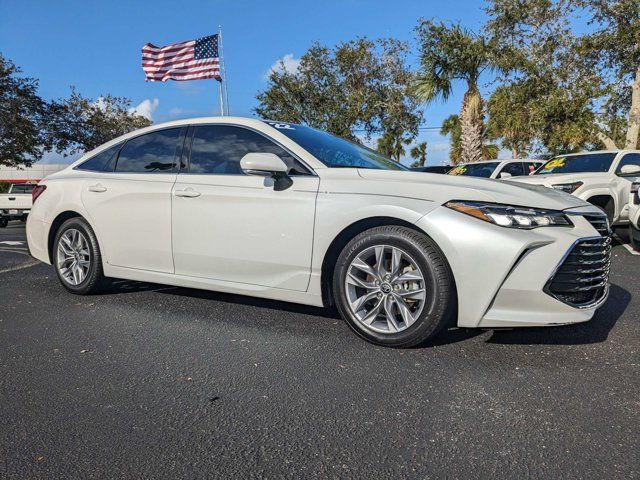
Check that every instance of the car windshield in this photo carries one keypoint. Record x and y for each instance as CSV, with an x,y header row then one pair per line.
x,y
595,162
335,152
475,169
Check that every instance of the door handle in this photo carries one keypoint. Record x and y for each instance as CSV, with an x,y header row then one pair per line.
x,y
97,188
187,193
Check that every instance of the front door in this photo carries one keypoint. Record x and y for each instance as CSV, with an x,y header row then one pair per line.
x,y
130,207
235,227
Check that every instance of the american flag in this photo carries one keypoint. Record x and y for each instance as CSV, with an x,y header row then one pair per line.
x,y
191,60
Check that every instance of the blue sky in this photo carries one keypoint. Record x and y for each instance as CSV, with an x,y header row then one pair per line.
x,y
95,46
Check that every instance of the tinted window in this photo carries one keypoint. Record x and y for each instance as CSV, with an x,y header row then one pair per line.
x,y
530,167
596,162
19,188
218,149
335,152
154,152
475,169
629,159
514,168
103,161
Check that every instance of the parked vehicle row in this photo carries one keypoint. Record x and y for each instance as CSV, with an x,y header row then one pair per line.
x,y
286,212
497,168
16,204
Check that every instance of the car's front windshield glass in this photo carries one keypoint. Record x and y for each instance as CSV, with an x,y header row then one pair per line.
x,y
333,151
595,162
475,169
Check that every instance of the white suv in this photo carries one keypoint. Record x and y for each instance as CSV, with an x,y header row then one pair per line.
x,y
497,168
602,178
634,214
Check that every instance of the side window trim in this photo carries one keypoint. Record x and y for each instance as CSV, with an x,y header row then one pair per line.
x,y
193,126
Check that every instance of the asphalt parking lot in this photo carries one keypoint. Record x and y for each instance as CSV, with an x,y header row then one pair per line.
x,y
149,381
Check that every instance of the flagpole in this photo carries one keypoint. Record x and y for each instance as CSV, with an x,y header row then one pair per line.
x,y
220,80
223,69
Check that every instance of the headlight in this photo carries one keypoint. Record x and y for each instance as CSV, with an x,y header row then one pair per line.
x,y
511,215
568,187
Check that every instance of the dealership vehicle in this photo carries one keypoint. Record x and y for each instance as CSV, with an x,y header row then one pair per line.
x,y
433,169
287,212
602,178
634,214
497,168
16,204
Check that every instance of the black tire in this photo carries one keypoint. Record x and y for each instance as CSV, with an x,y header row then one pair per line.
x,y
634,238
3,222
95,281
439,308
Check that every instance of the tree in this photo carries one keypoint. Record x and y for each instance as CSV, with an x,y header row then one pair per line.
x,y
22,113
575,90
391,144
78,124
419,154
447,54
357,85
452,127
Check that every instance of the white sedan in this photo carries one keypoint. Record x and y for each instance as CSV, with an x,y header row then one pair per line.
x,y
286,212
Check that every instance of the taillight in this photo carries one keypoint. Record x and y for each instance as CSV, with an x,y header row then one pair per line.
x,y
37,191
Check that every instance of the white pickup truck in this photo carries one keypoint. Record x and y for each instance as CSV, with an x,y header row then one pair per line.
x,y
602,178
634,214
16,204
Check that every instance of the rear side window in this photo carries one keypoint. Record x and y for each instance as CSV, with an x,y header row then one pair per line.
x,y
218,149
154,152
530,167
103,161
514,168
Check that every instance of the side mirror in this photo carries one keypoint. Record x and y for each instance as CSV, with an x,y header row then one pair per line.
x,y
505,175
630,170
267,165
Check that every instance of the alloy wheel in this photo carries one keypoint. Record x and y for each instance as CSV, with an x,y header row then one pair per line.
x,y
73,256
385,289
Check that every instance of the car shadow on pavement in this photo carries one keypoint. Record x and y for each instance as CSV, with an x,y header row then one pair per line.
x,y
127,286
594,331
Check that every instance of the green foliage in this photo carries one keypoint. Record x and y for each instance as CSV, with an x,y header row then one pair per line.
x,y
4,187
80,124
391,144
451,127
356,85
22,113
419,154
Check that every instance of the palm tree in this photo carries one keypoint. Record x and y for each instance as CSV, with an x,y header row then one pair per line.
x,y
450,53
419,154
391,144
452,127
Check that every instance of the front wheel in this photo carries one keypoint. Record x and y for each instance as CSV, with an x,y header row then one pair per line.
x,y
394,287
77,259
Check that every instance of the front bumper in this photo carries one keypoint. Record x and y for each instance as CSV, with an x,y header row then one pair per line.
x,y
501,273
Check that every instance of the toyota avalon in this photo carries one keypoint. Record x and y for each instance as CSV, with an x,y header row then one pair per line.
x,y
286,212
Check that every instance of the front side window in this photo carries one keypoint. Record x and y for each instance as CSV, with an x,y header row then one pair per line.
x,y
335,152
218,149
153,152
595,162
513,168
629,159
103,161
475,169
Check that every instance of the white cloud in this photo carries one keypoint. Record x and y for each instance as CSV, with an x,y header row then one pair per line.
x,y
145,108
287,63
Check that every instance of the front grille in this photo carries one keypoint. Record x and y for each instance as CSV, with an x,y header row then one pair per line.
x,y
582,277
600,223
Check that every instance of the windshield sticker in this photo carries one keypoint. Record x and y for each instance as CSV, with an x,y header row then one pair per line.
x,y
458,170
553,164
282,126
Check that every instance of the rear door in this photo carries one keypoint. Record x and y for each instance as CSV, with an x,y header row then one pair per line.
x,y
130,203
235,227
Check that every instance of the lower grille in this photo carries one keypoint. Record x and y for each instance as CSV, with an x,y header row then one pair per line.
x,y
600,223
581,279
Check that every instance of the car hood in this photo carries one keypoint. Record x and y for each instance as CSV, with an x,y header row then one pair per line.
x,y
442,188
556,178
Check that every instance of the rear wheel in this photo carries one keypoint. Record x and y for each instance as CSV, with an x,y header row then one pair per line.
x,y
394,287
634,238
77,259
